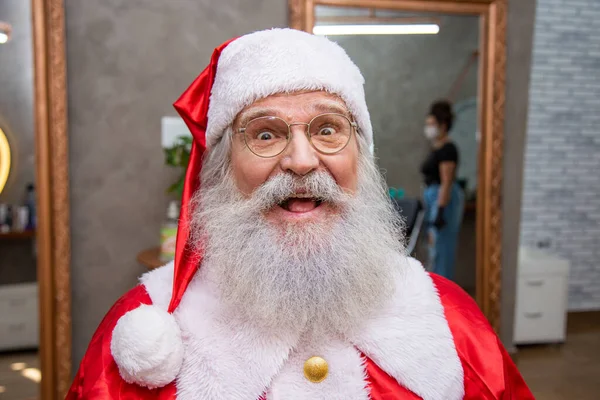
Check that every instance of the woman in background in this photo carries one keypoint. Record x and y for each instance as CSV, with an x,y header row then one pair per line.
x,y
443,197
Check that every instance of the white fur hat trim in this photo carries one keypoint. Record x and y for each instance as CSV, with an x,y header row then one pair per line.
x,y
147,347
275,61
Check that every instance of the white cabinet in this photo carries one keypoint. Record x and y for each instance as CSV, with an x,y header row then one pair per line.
x,y
541,303
19,324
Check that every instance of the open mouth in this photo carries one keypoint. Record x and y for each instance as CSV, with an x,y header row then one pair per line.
x,y
300,203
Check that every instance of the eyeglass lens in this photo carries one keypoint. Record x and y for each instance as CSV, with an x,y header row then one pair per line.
x,y
268,136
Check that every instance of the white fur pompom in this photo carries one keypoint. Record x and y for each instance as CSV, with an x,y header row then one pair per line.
x,y
146,345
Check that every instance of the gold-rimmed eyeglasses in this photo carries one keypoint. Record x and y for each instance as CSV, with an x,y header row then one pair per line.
x,y
270,136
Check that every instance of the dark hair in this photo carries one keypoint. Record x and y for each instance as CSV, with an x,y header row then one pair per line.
x,y
441,110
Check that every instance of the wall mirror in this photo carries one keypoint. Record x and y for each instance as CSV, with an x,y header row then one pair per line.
x,y
35,328
412,53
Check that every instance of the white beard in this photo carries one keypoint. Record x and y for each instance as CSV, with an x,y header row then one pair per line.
x,y
329,274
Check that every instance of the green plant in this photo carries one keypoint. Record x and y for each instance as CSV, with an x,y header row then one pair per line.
x,y
178,156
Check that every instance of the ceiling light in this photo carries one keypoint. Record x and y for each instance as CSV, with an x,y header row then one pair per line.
x,y
404,29
3,38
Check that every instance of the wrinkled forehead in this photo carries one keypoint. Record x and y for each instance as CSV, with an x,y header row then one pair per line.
x,y
299,106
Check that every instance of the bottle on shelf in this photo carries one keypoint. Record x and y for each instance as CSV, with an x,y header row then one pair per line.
x,y
168,233
4,218
21,219
31,206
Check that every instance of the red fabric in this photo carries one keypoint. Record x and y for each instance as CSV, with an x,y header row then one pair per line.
x,y
384,387
489,372
193,108
98,376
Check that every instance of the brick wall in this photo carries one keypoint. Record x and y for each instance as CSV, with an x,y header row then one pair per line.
x,y
561,192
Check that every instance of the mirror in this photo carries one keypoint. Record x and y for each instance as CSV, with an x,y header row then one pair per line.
x,y
19,324
432,74
404,75
35,327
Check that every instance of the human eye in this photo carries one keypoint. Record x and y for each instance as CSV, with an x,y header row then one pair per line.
x,y
326,131
265,135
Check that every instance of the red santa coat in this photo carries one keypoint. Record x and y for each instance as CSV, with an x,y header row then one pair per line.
x,y
429,342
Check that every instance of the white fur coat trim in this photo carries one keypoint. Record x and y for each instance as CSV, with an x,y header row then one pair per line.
x,y
274,61
409,339
346,379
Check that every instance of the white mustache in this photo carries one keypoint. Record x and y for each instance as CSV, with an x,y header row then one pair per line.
x,y
319,185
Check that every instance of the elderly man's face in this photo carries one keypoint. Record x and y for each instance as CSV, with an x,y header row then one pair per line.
x,y
281,259
300,157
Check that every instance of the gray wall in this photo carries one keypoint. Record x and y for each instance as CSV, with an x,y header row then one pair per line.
x,y
404,74
127,62
561,199
521,14
16,97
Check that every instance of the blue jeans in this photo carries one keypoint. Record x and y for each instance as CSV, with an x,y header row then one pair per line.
x,y
443,242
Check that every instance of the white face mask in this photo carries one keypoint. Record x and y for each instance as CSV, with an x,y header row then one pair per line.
x,y
431,132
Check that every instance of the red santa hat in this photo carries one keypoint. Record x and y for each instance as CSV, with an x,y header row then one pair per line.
x,y
146,342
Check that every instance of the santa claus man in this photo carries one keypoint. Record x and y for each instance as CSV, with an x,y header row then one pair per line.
x,y
290,280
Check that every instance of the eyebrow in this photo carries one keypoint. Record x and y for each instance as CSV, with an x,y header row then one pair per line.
x,y
330,106
255,113
322,106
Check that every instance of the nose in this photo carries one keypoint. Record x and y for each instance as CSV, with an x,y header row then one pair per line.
x,y
300,157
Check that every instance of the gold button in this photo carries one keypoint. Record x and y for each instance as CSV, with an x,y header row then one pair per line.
x,y
316,369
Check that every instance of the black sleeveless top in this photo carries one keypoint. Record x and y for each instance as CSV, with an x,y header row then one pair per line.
x,y
431,166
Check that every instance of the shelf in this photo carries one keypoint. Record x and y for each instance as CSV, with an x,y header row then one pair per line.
x,y
17,235
150,258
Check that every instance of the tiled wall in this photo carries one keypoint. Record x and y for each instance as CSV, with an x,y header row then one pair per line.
x,y
561,195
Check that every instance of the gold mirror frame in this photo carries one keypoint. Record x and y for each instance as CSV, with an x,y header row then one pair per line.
x,y
491,120
52,176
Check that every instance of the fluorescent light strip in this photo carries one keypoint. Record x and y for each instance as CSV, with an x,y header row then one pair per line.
x,y
406,29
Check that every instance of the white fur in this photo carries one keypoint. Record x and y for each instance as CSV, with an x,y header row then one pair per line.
x,y
147,347
159,285
225,358
346,379
228,358
411,340
275,61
